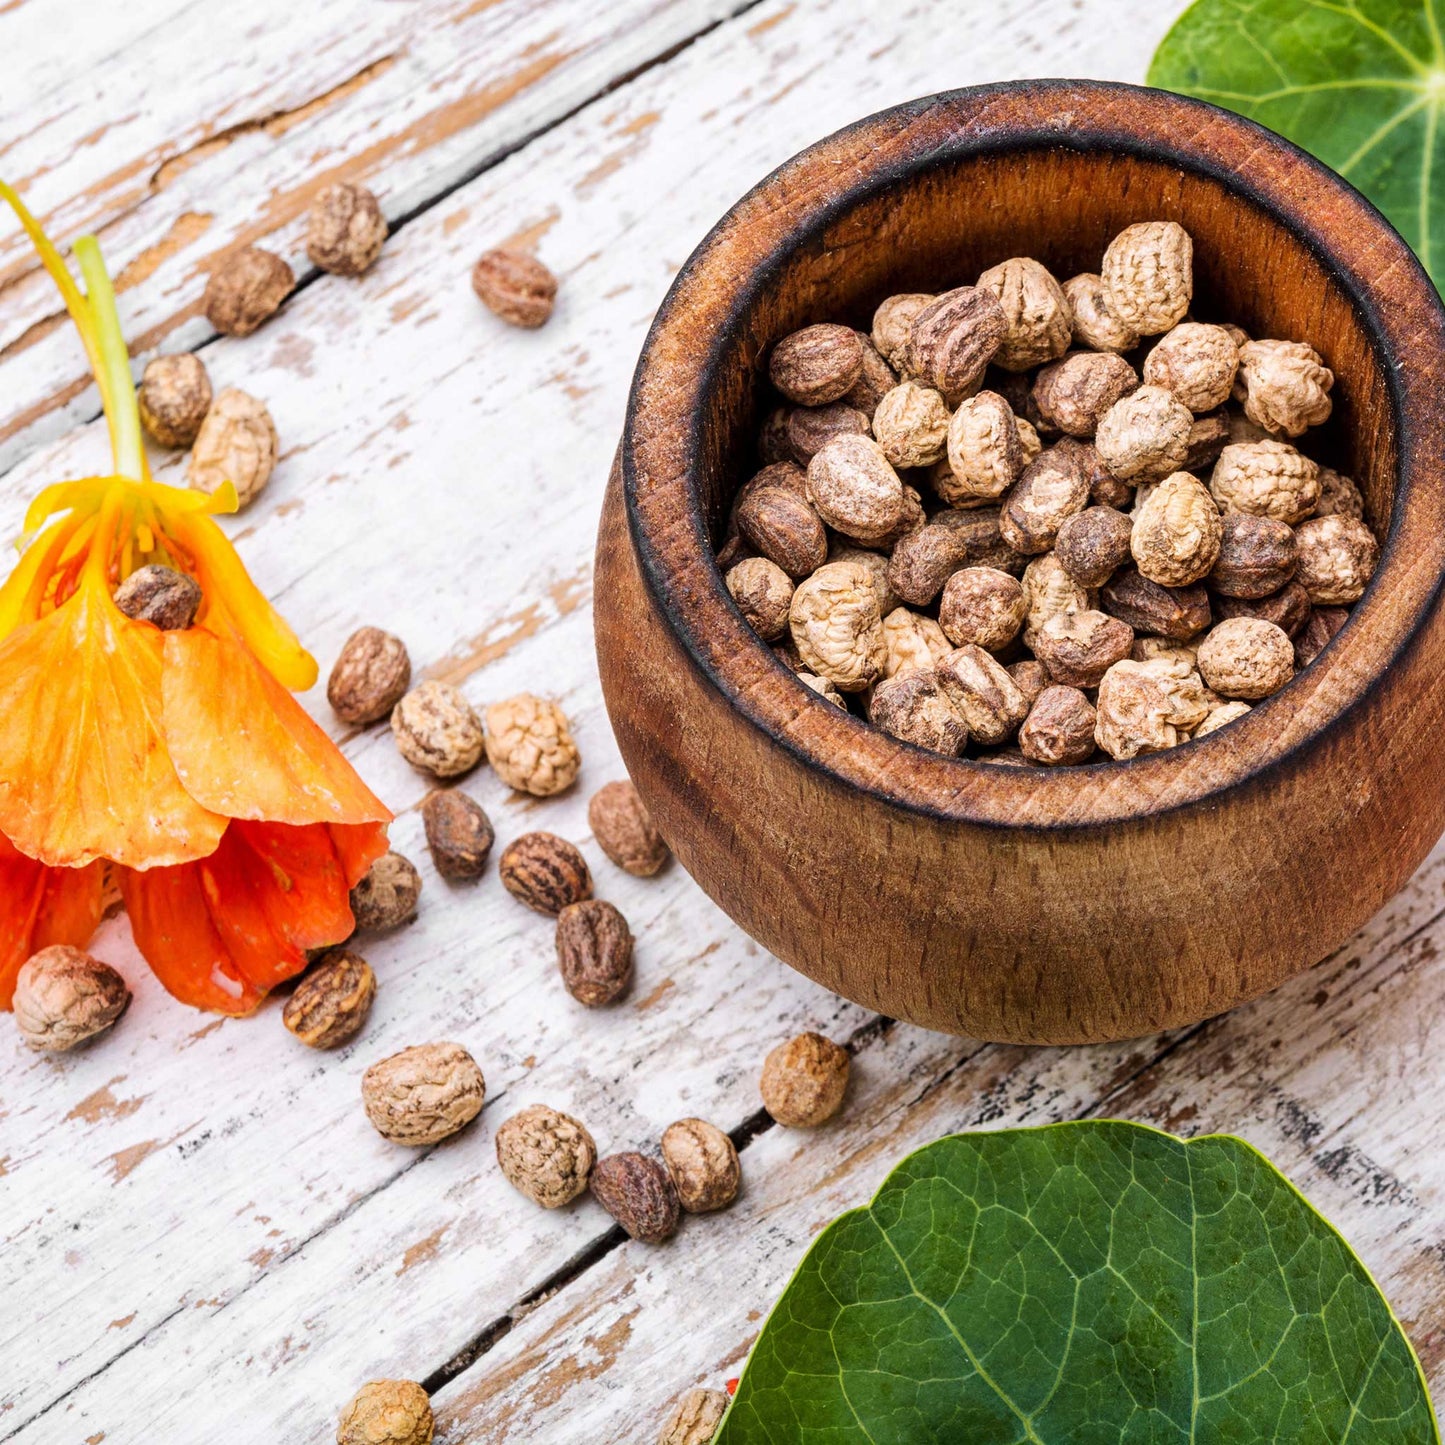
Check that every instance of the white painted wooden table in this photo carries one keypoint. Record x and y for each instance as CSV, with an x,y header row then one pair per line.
x,y
203,1239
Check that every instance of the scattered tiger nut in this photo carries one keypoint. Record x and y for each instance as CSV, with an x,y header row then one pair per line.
x,y
1288,609
1148,276
912,642
875,380
165,598
818,364
913,707
1177,613
703,1164
529,745
837,627
1267,479
1286,386
1246,658
1196,363
854,489
1337,557
458,834
1143,707
594,952
1179,655
387,1412
1074,394
1207,438
624,829
331,1003
783,526
1176,533
1221,716
436,730
810,428
345,229
1095,325
515,286
545,872
423,1094
371,675
694,1418
1050,591
1257,556
876,566
64,997
982,693
1078,648
245,289
1319,630
1144,436
1040,324
923,562
911,425
1059,728
174,396
985,451
804,1081
1052,488
237,443
892,322
546,1155
1031,676
823,688
639,1194
1093,544
982,605
1339,496
386,895
952,340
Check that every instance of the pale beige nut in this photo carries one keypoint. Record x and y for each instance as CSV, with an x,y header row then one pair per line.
x,y
1176,533
371,675
855,490
1145,436
1246,658
804,1081
1093,544
1339,496
875,564
1176,613
1207,438
529,745
237,443
703,1164
817,364
546,1155
1095,325
1031,676
459,834
837,627
345,229
811,428
1030,443
639,1194
1143,707
1221,716
423,1094
545,872
1337,557
1286,385
1074,394
1052,489
913,642
624,829
911,425
1288,609
386,894
516,287
985,450
982,605
387,1412
1180,656
63,997
1319,630
245,289
782,524
1266,478
1040,324
764,593
1195,362
594,952
436,730
1059,729
165,598
982,693
1148,276
330,1005
952,340
1051,592
823,688
174,396
923,562
875,380
1257,556
694,1418
1078,648
913,707
892,322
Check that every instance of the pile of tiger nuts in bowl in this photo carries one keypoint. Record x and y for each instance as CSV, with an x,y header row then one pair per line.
x,y
1041,523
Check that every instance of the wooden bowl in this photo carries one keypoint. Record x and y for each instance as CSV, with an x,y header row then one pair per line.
x,y
1032,905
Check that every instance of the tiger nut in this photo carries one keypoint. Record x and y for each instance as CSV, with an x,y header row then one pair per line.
x,y
892,322
1144,707
63,997
913,707
875,380
387,1412
1221,716
529,745
837,627
818,364
1145,436
982,605
1148,276
545,872
923,562
1050,591
823,688
1052,489
624,829
515,286
854,489
386,895
1196,363
1339,495
1207,438
458,834
1286,385
1288,609
639,1194
165,598
804,1081
330,1004
1073,395
985,450
1095,325
694,1418
952,340
876,566
1177,613
371,675
436,730
1337,558
1093,544
810,428
237,443
911,425
1176,532
345,229
1059,728
982,693
1318,632
912,642
245,289
594,952
1040,325
783,526
546,1155
423,1094
1031,676
1078,648
1246,658
703,1164
1257,556
1266,478
174,396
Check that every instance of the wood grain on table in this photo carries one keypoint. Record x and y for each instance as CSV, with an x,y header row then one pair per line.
x,y
203,1239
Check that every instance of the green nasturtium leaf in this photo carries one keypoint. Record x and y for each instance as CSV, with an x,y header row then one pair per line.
x,y
1358,83
1093,1283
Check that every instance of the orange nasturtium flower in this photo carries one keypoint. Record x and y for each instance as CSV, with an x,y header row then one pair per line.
x,y
232,824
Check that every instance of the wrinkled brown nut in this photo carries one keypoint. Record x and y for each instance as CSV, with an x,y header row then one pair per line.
x,y
914,708
911,425
892,322
1257,556
982,605
923,562
1220,717
1177,613
63,997
515,286
1078,648
1051,591
386,895
371,675
423,1094
345,229
1148,276
529,744
1095,325
624,829
1337,557
703,1164
1207,438
952,340
546,1155
1286,385
913,642
837,627
237,443
773,446
783,526
594,952
174,397
1145,436
817,364
823,688
387,1412
985,451
1059,728
982,693
161,596
246,288
910,520
1031,676
1318,632
1105,489
1195,362
1176,533
810,428
1288,609
436,730
545,872
458,833
874,382
876,566
804,1081
1339,496
1052,488
854,489
1093,544
1246,658
1040,324
329,1006
639,1194
1267,479
1144,707
1074,394
694,1418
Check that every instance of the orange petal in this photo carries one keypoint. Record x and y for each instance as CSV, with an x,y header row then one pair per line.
x,y
84,773
40,906
358,846
243,746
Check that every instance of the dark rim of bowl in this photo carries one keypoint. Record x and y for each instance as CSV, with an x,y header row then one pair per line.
x,y
967,790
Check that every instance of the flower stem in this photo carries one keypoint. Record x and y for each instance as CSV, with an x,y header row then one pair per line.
x,y
122,412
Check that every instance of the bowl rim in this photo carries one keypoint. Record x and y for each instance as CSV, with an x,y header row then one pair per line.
x,y
660,458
